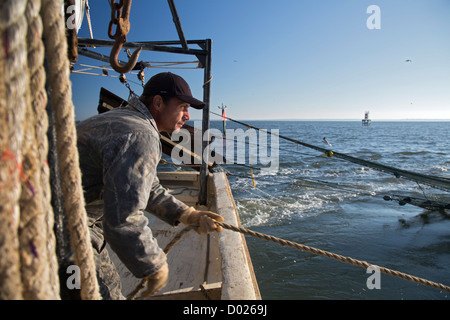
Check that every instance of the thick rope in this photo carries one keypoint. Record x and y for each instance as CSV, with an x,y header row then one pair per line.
x,y
358,263
36,54
166,250
355,262
56,51
13,86
37,257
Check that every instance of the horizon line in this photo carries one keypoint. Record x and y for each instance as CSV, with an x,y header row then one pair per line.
x,y
300,119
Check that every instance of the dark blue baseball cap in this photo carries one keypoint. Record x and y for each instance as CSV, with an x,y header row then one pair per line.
x,y
172,85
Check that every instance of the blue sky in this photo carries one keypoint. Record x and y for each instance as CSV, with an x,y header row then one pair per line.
x,y
297,59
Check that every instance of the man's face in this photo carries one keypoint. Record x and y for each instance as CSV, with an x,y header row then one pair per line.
x,y
173,115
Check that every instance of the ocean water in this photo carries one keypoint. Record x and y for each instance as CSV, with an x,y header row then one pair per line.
x,y
338,206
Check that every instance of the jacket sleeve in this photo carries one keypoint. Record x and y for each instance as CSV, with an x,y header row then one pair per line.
x,y
164,205
129,177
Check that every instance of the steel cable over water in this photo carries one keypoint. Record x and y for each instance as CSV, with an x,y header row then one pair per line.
x,y
433,181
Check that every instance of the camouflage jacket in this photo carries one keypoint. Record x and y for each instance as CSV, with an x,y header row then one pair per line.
x,y
119,152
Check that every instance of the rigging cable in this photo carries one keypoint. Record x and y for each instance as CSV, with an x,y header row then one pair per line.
x,y
433,181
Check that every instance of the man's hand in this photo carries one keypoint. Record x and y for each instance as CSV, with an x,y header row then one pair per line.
x,y
205,220
156,282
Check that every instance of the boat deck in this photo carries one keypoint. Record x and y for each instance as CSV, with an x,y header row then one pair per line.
x,y
214,266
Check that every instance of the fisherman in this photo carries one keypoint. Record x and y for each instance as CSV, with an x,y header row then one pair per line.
x,y
119,151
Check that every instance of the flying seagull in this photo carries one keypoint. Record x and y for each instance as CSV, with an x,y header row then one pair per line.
x,y
326,141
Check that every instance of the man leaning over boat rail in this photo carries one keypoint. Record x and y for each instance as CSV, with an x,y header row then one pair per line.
x,y
119,152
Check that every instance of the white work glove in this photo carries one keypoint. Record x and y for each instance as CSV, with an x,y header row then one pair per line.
x,y
156,282
205,220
